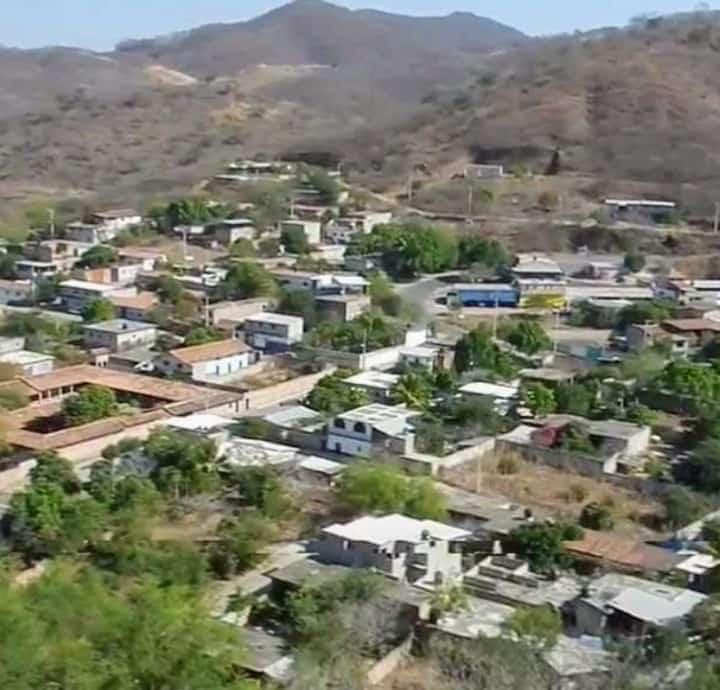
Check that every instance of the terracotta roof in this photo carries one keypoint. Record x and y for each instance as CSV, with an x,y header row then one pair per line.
x,y
88,432
629,554
169,391
690,325
209,351
143,300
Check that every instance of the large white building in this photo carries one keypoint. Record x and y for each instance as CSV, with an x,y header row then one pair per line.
x,y
119,335
400,547
77,294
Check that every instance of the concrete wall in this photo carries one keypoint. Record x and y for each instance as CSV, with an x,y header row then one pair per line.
x,y
282,392
385,666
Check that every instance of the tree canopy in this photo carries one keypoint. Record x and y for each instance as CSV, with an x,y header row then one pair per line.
x,y
98,310
98,256
333,396
246,280
378,488
295,240
410,249
88,405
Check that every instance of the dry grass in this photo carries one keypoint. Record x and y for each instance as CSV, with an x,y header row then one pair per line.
x,y
561,493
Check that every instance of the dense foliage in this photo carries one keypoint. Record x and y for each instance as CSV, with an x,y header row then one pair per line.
x,y
377,488
88,405
476,350
365,333
333,396
246,280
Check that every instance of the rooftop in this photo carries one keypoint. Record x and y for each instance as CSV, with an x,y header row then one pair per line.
x,y
243,452
24,357
626,553
313,463
691,325
118,326
421,352
87,285
143,300
199,422
478,618
389,420
394,528
114,213
536,264
491,390
272,317
640,202
652,602
484,286
266,654
294,416
209,351
378,380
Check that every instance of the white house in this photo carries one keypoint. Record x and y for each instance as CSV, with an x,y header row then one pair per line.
x,y
372,429
15,291
27,363
119,335
88,233
77,294
117,219
216,361
401,547
268,331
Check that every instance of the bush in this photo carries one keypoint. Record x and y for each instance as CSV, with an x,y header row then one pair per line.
x,y
597,517
89,405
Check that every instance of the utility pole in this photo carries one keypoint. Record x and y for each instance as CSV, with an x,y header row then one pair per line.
x,y
495,319
410,182
51,218
470,202
716,223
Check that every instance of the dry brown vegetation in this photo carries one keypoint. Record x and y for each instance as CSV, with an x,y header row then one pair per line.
x,y
557,492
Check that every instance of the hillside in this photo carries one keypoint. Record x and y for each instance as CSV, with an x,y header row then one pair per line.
x,y
317,32
634,109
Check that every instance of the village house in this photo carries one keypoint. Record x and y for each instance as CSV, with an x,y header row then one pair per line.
x,y
149,258
75,295
136,307
88,233
25,362
123,273
63,254
117,219
312,229
403,548
366,431
212,362
377,385
35,271
16,291
119,335
321,283
342,307
233,313
624,605
431,357
271,332
230,230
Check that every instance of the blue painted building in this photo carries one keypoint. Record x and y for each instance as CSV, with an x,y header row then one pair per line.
x,y
484,295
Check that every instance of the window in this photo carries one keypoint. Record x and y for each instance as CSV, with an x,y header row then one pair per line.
x,y
359,427
339,423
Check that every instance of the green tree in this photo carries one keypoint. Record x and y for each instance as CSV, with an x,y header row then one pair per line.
x,y
98,310
476,350
7,266
576,398
246,280
98,256
644,312
414,389
539,627
185,462
528,337
90,404
327,187
476,249
596,516
74,629
543,545
201,335
240,543
681,507
540,399
295,240
383,295
168,289
51,468
299,303
242,248
269,247
262,488
366,333
376,488
634,262
333,395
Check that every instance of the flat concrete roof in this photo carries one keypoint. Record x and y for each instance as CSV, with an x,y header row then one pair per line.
x,y
24,357
118,326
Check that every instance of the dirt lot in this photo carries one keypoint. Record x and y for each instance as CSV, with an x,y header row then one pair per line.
x,y
542,487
